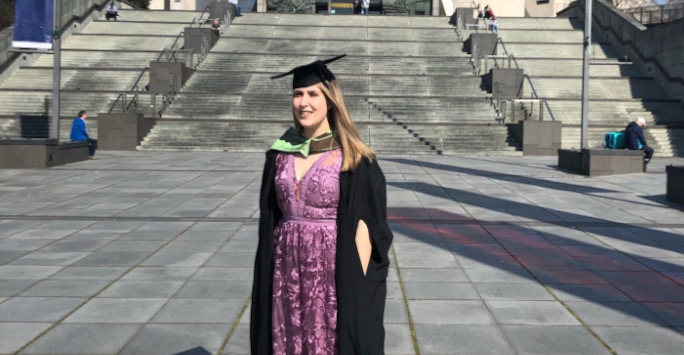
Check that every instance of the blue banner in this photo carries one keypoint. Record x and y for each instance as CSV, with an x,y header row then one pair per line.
x,y
33,21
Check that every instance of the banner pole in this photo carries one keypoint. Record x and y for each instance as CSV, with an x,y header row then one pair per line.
x,y
56,79
585,74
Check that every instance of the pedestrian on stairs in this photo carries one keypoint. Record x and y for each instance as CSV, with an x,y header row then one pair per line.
x,y
216,27
322,261
365,4
635,139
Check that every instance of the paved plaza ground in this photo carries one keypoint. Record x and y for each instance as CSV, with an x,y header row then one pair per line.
x,y
151,253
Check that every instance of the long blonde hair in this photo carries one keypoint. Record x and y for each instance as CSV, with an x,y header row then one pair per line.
x,y
353,147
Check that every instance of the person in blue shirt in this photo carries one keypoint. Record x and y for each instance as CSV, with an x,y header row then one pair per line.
x,y
635,140
79,133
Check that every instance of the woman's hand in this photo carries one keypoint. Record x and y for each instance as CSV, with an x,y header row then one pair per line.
x,y
363,244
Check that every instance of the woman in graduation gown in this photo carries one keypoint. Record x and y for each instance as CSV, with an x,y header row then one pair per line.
x,y
322,261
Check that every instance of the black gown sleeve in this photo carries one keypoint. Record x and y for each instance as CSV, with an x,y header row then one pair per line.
x,y
376,216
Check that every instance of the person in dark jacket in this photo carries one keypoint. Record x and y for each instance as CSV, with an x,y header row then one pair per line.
x,y
635,140
322,260
79,133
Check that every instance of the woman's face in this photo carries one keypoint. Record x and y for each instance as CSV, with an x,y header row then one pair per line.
x,y
311,110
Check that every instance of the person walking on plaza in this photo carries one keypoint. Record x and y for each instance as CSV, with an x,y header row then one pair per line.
x,y
635,139
79,133
322,261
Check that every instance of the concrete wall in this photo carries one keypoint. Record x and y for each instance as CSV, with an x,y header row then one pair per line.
x,y
658,51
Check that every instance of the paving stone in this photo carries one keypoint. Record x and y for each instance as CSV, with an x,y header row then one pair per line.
x,y
7,256
117,310
24,244
473,261
427,260
161,273
398,339
491,274
592,293
133,245
113,258
184,247
223,274
84,339
10,288
440,290
177,259
216,289
76,245
65,288
553,339
142,289
530,313
197,310
40,258
614,313
238,344
461,339
512,291
449,312
37,309
13,336
21,272
166,339
240,260
642,340
89,273
672,313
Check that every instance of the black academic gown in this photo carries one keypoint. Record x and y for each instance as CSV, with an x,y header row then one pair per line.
x,y
360,298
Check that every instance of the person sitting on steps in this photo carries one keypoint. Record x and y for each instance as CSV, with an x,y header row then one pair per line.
x,y
238,11
112,12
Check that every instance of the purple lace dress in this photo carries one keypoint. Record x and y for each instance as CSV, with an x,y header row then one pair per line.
x,y
304,296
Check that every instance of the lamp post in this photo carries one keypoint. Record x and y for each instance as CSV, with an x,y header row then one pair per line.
x,y
56,68
585,73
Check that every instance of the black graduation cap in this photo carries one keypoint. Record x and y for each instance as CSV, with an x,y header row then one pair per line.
x,y
310,74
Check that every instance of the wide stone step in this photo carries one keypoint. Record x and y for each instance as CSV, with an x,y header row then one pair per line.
x,y
350,65
599,88
443,34
121,43
100,59
554,50
536,23
541,35
335,47
573,67
155,16
85,80
111,29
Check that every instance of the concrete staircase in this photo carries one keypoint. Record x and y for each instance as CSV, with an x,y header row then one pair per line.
x,y
550,52
100,60
407,83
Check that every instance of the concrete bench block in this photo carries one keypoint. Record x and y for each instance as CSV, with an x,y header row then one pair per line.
x,y
40,153
598,162
675,183
122,131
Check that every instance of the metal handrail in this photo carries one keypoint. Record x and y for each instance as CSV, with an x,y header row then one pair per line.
x,y
534,91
